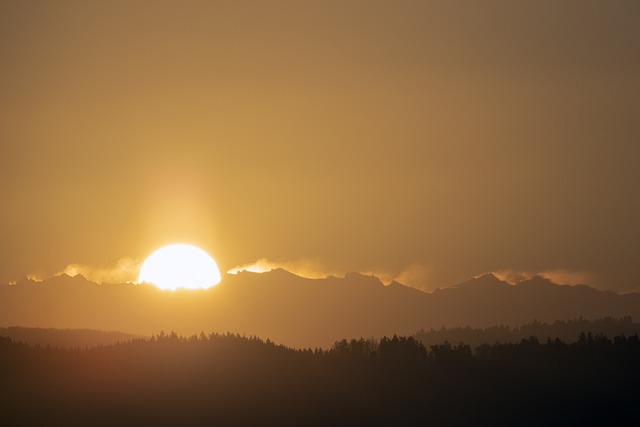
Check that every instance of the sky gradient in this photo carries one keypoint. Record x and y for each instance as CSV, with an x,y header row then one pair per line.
x,y
429,141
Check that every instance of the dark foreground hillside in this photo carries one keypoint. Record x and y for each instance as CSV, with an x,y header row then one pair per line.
x,y
233,381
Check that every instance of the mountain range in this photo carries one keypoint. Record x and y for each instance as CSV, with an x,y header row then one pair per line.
x,y
301,312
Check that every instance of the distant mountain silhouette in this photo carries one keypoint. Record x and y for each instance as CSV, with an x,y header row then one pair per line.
x,y
487,301
301,312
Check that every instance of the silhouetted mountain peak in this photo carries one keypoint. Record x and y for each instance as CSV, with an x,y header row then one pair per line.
x,y
65,279
485,281
404,288
25,280
363,279
274,273
536,281
281,272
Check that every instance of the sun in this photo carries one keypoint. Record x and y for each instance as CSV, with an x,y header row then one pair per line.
x,y
180,266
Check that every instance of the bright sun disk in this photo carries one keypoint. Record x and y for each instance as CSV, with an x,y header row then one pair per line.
x,y
180,266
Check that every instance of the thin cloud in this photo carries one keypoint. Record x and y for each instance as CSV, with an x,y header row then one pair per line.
x,y
305,267
34,277
416,276
311,268
125,270
569,277
513,276
561,276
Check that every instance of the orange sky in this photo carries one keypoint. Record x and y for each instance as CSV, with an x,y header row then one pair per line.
x,y
427,139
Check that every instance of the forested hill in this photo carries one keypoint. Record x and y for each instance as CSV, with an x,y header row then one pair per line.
x,y
67,338
234,381
566,331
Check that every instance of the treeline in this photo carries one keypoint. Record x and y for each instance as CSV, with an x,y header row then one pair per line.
x,y
565,330
65,337
231,380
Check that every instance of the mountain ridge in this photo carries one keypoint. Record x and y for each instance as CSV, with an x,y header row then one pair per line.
x,y
298,311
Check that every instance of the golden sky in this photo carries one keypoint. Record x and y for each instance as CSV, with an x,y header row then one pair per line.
x,y
430,140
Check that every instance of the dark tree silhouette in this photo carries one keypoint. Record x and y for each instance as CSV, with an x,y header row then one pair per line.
x,y
227,379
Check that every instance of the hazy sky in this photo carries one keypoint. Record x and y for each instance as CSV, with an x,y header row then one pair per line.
x,y
429,140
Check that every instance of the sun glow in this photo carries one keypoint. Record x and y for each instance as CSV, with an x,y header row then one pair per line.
x,y
180,266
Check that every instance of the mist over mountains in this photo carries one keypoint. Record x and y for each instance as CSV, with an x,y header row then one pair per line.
x,y
301,312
